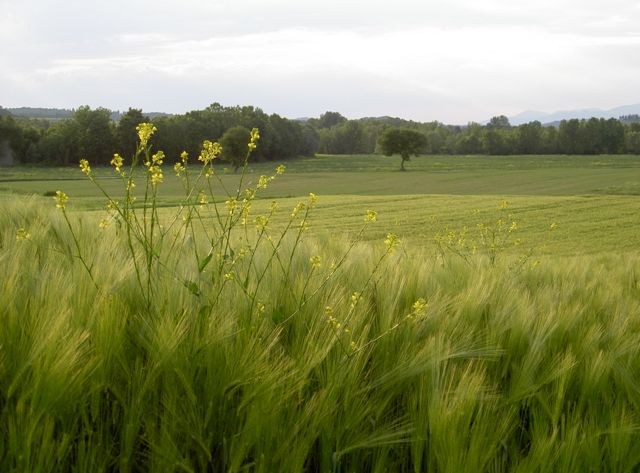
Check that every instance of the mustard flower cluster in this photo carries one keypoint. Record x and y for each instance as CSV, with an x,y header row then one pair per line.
x,y
249,193
178,168
418,308
328,311
145,132
371,216
202,199
263,181
117,163
255,136
261,222
84,167
296,210
61,200
315,261
355,298
155,169
210,151
391,241
22,234
232,205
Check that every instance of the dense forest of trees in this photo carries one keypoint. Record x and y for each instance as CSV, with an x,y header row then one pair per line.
x,y
94,134
592,136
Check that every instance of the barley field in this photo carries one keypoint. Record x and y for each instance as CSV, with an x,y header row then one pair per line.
x,y
474,314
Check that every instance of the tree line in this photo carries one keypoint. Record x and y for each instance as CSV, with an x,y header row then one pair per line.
x,y
92,133
337,135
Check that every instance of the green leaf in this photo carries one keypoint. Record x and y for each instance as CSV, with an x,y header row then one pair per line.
x,y
203,264
193,287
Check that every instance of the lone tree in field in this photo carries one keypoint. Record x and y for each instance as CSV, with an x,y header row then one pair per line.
x,y
402,141
234,146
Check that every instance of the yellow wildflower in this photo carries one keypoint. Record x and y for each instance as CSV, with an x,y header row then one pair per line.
x,y
156,174
184,156
202,199
261,223
255,136
178,168
210,151
312,199
117,162
84,167
263,181
231,204
22,234
61,200
299,206
145,131
246,209
157,158
315,261
249,193
104,223
418,307
371,216
391,241
355,298
280,169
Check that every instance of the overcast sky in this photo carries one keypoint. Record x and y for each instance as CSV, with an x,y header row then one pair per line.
x,y
452,60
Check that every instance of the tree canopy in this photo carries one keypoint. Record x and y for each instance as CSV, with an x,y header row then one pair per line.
x,y
403,141
234,146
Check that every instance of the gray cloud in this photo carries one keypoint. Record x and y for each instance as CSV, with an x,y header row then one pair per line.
x,y
453,61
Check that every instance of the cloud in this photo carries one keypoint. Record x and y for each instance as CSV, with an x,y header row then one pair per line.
x,y
455,61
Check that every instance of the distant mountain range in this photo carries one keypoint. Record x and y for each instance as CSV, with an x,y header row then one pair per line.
x,y
61,113
555,117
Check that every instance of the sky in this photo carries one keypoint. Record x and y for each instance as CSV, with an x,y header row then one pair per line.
x,y
453,61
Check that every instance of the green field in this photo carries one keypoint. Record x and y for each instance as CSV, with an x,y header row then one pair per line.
x,y
501,334
593,200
